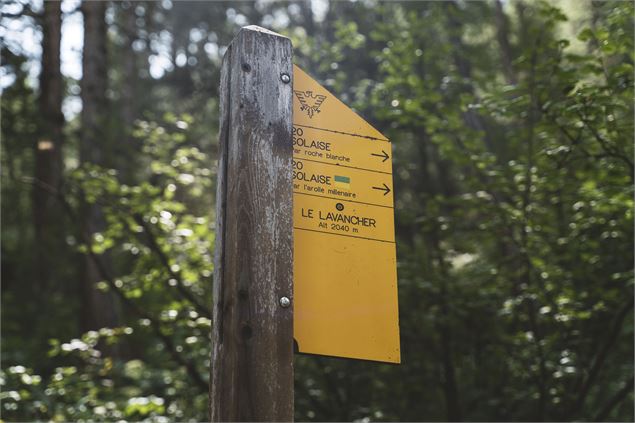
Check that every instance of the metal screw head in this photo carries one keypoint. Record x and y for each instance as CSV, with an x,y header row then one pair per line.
x,y
285,302
284,77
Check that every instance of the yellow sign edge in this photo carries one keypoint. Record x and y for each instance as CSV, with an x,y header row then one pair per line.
x,y
295,66
395,362
367,137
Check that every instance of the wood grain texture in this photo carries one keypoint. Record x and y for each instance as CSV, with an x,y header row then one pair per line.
x,y
252,336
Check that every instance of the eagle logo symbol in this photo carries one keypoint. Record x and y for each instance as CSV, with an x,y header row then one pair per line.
x,y
309,102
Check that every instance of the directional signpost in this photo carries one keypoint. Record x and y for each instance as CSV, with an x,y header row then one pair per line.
x,y
345,281
251,372
305,246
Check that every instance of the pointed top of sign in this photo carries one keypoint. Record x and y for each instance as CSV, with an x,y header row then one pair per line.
x,y
315,107
257,28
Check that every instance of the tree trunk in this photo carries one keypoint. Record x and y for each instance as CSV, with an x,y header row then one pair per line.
x,y
464,68
98,307
127,147
502,34
48,150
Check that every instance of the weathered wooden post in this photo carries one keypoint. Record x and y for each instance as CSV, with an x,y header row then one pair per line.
x,y
252,330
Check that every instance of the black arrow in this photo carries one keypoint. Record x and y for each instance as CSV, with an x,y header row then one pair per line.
x,y
385,188
385,155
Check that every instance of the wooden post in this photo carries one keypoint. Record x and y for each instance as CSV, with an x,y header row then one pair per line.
x,y
252,333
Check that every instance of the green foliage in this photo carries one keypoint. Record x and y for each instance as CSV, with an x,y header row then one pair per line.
x,y
514,222
513,201
159,232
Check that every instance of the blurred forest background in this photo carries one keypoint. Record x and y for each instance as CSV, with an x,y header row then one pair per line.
x,y
512,129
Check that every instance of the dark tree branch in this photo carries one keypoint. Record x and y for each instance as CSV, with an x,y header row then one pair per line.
x,y
600,359
614,401
529,269
131,305
163,258
609,151
608,148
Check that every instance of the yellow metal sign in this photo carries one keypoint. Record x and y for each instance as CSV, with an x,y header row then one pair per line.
x,y
339,149
345,277
332,181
